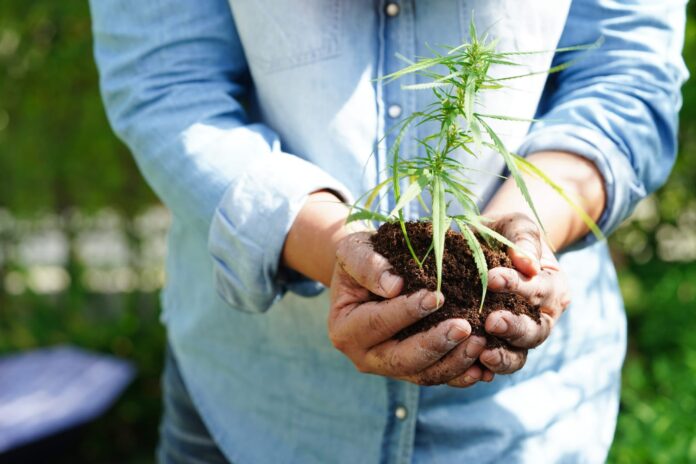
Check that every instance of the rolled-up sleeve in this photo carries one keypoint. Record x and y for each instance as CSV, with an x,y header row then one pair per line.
x,y
173,73
617,105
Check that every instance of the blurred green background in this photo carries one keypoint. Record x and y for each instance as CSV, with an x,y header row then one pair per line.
x,y
68,187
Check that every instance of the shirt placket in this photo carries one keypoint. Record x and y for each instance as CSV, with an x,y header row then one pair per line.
x,y
397,36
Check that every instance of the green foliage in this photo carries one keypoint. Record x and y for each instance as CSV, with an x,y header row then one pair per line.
x,y
56,148
658,401
125,325
456,78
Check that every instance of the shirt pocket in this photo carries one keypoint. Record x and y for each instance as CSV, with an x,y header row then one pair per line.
x,y
283,34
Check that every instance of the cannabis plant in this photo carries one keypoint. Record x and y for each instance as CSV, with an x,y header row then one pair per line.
x,y
456,77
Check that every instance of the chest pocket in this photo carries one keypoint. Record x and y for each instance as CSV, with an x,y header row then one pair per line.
x,y
283,34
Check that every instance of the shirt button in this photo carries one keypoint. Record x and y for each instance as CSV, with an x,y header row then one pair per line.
x,y
392,9
394,111
401,413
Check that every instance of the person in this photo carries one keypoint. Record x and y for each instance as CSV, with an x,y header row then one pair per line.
x,y
251,119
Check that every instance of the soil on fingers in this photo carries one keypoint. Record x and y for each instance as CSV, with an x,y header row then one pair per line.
x,y
461,284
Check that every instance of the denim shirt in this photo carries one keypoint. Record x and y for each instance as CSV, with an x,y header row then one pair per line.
x,y
236,111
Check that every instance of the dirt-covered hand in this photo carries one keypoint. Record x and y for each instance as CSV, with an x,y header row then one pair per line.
x,y
538,278
367,311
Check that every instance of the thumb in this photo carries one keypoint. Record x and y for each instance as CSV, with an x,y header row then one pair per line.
x,y
366,267
526,257
522,231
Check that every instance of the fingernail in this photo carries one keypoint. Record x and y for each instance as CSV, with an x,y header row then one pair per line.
x,y
388,281
431,301
497,281
457,333
473,350
469,379
500,326
529,259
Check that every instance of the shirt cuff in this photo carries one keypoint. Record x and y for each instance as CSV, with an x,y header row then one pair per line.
x,y
623,189
250,224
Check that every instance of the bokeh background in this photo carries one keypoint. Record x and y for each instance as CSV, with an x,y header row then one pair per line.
x,y
82,240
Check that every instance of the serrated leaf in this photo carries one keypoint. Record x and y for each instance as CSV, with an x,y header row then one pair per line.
x,y
418,66
366,215
514,170
573,48
472,29
479,258
375,192
463,195
483,229
412,191
535,171
476,134
505,118
425,85
469,98
440,226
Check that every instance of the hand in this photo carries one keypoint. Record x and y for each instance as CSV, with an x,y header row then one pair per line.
x,y
538,278
363,326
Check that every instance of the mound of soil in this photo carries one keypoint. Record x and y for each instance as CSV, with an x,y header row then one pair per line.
x,y
460,281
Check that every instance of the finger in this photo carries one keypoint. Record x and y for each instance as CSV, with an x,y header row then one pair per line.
x,y
418,352
519,330
503,360
488,375
521,230
549,289
470,377
536,290
374,322
454,364
369,269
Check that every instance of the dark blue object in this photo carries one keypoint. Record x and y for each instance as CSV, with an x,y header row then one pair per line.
x,y
52,390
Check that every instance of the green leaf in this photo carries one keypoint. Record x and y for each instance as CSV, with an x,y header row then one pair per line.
x,y
478,224
425,85
598,43
469,98
535,171
463,195
476,134
479,258
418,66
413,191
375,192
514,170
440,226
366,215
505,118
561,66
472,29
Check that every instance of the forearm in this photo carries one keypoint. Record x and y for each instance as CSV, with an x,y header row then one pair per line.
x,y
310,246
579,178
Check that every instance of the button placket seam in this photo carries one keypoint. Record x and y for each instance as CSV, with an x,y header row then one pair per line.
x,y
409,96
408,431
382,144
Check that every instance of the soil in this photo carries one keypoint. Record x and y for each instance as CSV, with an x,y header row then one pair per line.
x,y
460,281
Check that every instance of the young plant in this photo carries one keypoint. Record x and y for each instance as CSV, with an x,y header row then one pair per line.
x,y
456,77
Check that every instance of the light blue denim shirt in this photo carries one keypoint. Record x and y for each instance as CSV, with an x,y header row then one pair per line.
x,y
236,111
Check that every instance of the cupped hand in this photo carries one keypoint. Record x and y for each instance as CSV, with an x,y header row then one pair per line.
x,y
537,277
367,310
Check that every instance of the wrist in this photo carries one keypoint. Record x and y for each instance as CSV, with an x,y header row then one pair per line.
x,y
310,245
580,180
